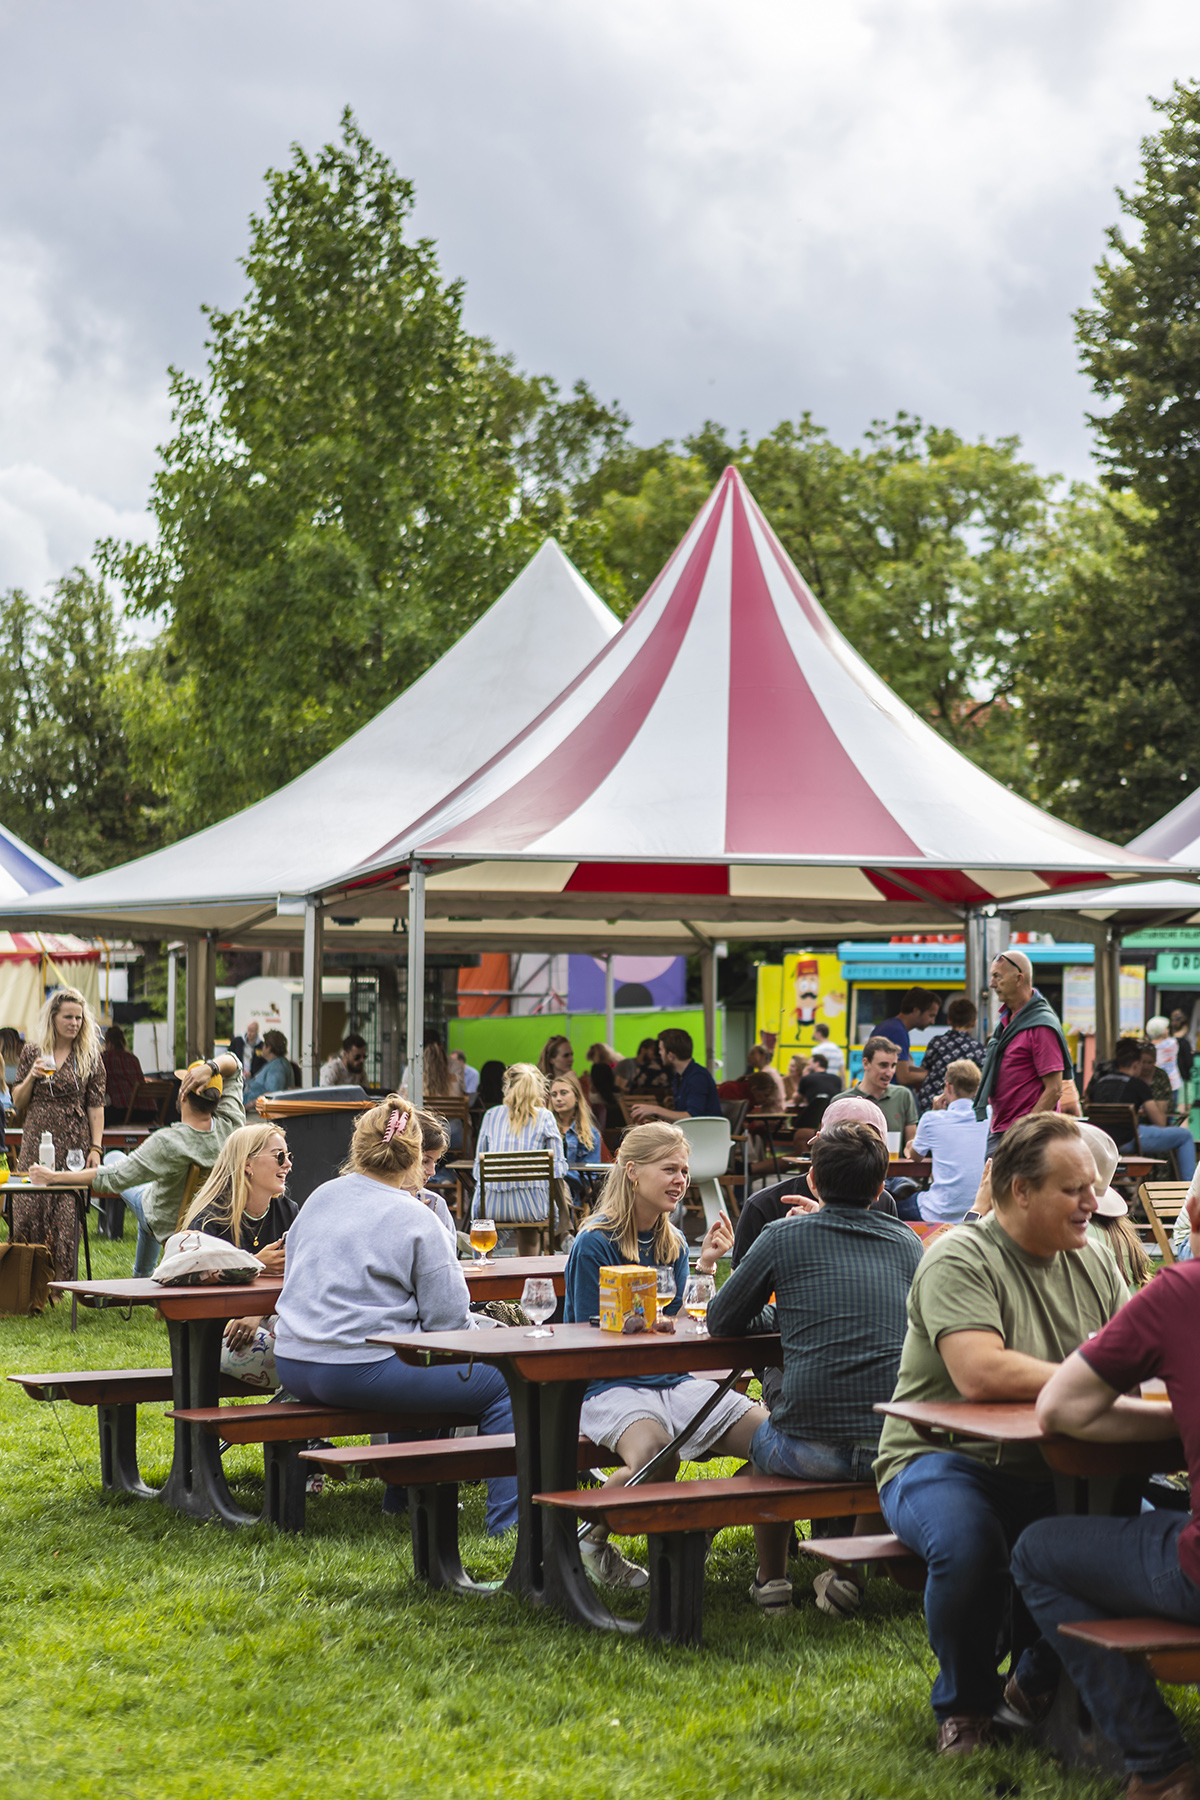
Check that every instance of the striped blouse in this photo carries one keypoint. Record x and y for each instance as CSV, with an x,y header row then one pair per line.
x,y
513,1202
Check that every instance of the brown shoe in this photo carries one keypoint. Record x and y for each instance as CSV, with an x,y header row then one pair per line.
x,y
968,1732
1033,1708
1181,1784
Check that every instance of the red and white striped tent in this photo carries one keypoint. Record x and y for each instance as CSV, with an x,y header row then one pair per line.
x,y
729,755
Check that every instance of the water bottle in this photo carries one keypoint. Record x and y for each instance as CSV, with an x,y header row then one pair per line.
x,y
46,1151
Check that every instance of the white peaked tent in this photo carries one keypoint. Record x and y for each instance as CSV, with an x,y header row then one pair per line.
x,y
30,960
1102,916
259,871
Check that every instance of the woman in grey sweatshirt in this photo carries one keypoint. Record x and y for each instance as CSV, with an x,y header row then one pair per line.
x,y
366,1256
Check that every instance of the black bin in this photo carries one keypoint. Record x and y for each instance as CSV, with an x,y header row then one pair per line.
x,y
318,1138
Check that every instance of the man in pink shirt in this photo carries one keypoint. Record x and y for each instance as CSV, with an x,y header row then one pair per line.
x,y
1027,1058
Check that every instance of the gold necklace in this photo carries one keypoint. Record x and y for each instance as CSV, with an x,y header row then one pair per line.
x,y
257,1224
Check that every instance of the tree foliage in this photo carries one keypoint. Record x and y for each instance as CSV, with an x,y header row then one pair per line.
x,y
351,482
1122,658
65,781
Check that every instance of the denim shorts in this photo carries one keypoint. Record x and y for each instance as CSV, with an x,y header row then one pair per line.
x,y
773,1452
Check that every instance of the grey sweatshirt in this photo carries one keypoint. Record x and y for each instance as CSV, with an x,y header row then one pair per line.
x,y
364,1258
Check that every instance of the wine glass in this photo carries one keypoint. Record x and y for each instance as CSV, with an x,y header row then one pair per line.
x,y
538,1300
483,1239
700,1290
668,1287
75,1161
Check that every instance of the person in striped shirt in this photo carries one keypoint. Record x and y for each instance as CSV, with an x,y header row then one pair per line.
x,y
522,1122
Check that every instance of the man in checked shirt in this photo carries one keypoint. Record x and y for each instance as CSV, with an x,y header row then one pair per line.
x,y
840,1275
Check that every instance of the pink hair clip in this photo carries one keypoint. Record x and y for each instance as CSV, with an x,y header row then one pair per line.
x,y
397,1122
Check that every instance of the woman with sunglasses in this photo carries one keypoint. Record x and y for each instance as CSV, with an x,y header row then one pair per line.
x,y
243,1201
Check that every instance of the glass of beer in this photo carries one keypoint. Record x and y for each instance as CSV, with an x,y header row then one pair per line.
x,y
700,1290
483,1239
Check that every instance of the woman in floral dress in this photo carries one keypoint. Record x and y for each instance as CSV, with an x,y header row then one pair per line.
x,y
60,1087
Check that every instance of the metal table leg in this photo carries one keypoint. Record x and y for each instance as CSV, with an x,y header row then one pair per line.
x,y
196,1484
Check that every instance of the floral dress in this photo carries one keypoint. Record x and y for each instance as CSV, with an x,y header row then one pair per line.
x,y
59,1105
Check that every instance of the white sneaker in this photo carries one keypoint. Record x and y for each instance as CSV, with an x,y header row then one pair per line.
x,y
837,1594
605,1564
772,1597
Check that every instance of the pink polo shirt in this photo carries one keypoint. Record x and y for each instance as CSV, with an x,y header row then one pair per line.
x,y
1031,1055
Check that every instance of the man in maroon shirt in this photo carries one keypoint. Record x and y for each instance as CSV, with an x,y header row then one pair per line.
x,y
1095,1568
1027,1058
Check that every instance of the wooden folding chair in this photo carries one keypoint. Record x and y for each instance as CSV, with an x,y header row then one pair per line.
x,y
1119,1121
525,1166
150,1097
1162,1203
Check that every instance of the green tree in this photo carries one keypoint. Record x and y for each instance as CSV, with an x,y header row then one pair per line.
x,y
351,483
65,781
1124,676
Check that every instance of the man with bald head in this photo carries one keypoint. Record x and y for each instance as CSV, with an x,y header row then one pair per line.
x,y
1027,1057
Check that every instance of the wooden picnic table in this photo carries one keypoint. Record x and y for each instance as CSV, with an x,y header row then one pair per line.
x,y
196,1318
547,1378
113,1137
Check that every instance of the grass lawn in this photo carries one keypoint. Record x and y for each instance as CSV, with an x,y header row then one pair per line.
x,y
149,1656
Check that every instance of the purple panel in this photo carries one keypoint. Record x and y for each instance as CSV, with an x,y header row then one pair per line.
x,y
663,978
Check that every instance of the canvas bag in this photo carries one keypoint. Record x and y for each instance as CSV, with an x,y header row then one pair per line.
x,y
24,1278
195,1258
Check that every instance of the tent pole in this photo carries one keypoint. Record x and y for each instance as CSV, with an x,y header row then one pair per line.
x,y
610,1002
172,1002
314,945
708,988
209,1030
191,1003
416,982
1108,998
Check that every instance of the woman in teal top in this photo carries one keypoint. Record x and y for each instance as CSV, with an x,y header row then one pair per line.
x,y
638,1418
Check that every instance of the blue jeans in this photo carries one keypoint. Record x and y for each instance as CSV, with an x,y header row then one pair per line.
x,y
1071,1569
773,1452
1161,1138
392,1385
145,1259
963,1518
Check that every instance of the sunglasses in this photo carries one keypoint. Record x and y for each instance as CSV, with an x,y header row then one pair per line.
x,y
281,1156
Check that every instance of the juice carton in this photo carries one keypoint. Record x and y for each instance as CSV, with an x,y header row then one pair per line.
x,y
627,1292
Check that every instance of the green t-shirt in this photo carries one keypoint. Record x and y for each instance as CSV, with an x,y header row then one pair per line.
x,y
898,1106
976,1278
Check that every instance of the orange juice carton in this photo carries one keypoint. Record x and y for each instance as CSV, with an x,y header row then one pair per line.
x,y
628,1297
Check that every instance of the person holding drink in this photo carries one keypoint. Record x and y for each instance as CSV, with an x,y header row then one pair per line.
x,y
638,1418
60,1087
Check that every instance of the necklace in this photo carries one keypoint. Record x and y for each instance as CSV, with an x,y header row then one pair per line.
x,y
257,1224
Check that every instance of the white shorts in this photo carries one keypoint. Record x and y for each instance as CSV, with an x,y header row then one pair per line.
x,y
606,1416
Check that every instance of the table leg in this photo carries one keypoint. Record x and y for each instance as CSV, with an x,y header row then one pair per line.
x,y
564,1582
196,1484
119,1472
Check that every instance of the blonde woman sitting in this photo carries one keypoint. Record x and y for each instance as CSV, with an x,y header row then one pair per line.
x,y
367,1257
243,1201
522,1122
580,1134
638,1418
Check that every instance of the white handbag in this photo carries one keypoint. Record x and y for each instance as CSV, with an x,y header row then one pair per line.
x,y
195,1258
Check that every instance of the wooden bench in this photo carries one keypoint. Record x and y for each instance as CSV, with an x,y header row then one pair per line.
x,y
676,1517
885,1553
116,1394
285,1427
1170,1651
431,1471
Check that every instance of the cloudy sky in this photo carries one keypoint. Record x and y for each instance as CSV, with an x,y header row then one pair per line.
x,y
707,210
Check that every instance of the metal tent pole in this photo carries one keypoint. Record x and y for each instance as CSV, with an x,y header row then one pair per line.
x,y
610,1002
314,950
416,982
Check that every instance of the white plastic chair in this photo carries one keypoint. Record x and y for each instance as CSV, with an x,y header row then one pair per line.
x,y
709,1142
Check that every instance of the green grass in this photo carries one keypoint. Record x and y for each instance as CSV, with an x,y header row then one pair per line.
x,y
147,1656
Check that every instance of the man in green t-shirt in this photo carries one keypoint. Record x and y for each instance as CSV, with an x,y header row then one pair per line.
x,y
994,1308
896,1103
